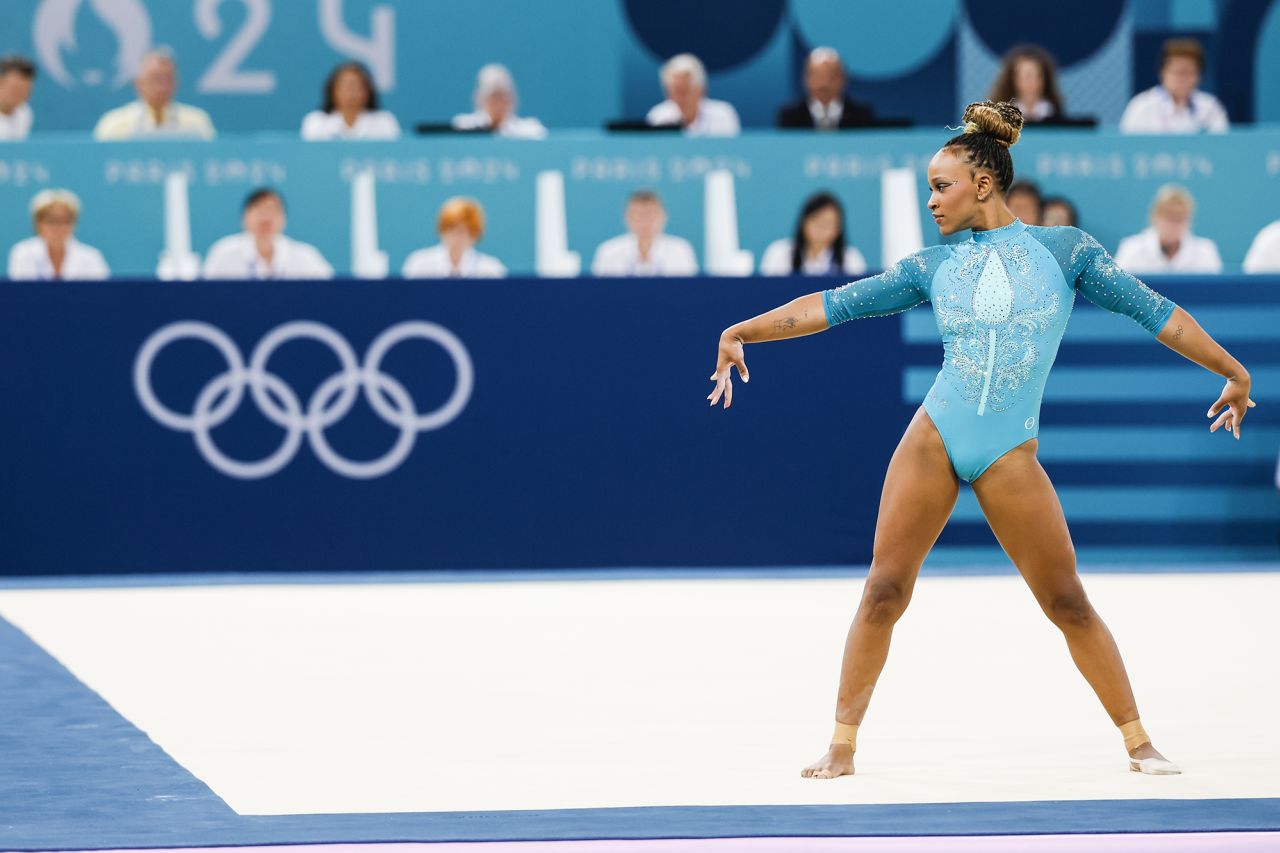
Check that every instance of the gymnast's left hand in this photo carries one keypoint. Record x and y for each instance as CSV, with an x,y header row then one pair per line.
x,y
729,354
1232,405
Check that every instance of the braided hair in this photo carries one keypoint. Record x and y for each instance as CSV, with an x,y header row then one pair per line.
x,y
989,129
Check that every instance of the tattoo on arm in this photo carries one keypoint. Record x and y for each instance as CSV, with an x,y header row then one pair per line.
x,y
785,323
1177,334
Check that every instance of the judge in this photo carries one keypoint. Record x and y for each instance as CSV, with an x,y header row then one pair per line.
x,y
460,226
645,250
261,251
54,254
824,106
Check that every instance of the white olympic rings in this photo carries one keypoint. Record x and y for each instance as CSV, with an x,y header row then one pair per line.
x,y
331,401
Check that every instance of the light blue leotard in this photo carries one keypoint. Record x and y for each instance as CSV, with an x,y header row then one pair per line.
x,y
1001,300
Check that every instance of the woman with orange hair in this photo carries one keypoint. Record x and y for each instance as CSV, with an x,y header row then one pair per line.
x,y
460,225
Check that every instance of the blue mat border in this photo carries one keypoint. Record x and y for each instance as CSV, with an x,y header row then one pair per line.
x,y
662,822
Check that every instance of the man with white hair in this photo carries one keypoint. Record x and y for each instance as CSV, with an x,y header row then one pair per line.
x,y
825,106
685,80
155,113
495,102
1168,246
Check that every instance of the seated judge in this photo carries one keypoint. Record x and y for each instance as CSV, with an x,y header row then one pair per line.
x,y
684,78
460,226
1168,246
495,107
645,250
261,251
349,109
818,247
54,254
1264,251
155,113
825,106
1029,78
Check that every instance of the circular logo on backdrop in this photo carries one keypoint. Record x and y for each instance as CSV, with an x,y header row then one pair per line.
x,y
332,400
54,36
722,33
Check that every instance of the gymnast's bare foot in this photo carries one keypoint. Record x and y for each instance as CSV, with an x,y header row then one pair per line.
x,y
837,762
1147,759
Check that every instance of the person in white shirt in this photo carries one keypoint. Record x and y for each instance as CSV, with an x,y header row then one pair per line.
x,y
819,246
1176,105
54,254
155,113
1028,78
460,226
1168,246
1264,252
17,76
262,251
350,108
685,80
645,250
495,107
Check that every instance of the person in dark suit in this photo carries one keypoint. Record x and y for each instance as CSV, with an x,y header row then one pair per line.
x,y
825,107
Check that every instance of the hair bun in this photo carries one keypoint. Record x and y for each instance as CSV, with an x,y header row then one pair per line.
x,y
1001,120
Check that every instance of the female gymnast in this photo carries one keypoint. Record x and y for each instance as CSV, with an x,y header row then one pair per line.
x,y
1001,300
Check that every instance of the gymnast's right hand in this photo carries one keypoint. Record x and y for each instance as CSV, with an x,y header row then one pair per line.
x,y
729,354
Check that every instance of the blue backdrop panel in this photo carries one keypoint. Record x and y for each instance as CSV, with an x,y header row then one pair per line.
x,y
586,442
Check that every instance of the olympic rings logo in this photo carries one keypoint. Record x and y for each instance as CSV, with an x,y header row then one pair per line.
x,y
331,401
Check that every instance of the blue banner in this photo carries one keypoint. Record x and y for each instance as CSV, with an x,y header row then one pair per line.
x,y
389,426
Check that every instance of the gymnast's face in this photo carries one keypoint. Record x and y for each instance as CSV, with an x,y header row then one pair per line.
x,y
954,189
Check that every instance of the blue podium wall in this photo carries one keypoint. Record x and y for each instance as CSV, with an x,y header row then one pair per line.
x,y
585,439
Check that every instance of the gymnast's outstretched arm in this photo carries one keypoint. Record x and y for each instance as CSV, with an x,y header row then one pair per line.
x,y
1183,335
804,315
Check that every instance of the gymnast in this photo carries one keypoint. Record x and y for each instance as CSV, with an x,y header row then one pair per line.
x,y
1001,300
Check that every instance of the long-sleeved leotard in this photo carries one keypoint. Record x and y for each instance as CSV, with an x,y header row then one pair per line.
x,y
1001,300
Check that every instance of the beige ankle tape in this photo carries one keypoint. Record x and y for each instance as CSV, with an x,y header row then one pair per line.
x,y
846,734
1134,735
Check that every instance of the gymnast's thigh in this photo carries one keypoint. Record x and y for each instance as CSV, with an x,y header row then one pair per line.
x,y
920,490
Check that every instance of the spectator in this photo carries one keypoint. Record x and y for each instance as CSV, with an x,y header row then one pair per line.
x,y
1029,78
1024,202
818,247
825,107
54,253
460,226
685,81
1059,211
261,250
1168,246
1176,105
495,102
645,249
155,112
350,108
1264,252
17,76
